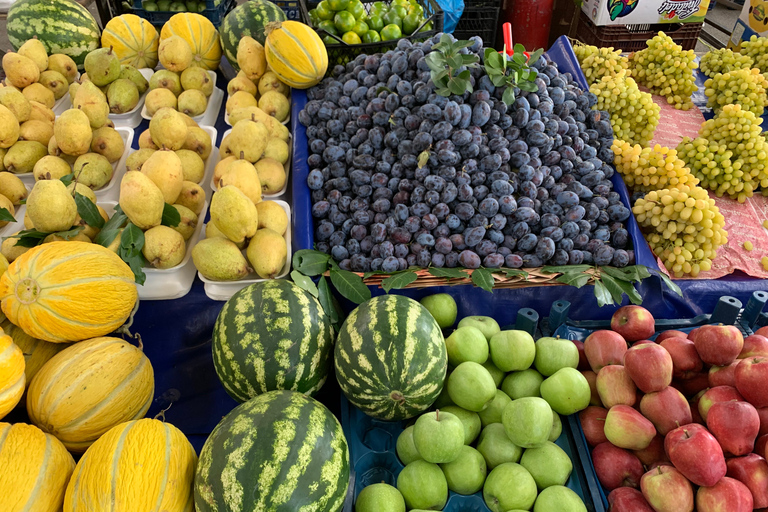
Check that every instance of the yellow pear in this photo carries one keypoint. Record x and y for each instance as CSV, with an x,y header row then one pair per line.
x,y
145,140
187,223
8,205
198,141
270,82
93,170
192,102
20,71
267,252
272,216
168,129
242,175
251,58
91,231
35,50
192,165
10,250
248,139
12,187
192,196
276,105
220,168
22,156
164,169
39,112
72,130
219,259
40,131
241,83
64,65
196,78
40,93
164,247
275,127
277,150
81,189
234,214
54,82
271,174
51,207
93,102
190,122
141,200
51,167
164,79
9,128
239,100
211,231
15,101
175,54
136,160
159,98
107,141
80,237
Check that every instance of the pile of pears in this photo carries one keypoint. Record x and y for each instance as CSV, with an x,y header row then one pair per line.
x,y
12,192
181,85
170,173
121,85
255,85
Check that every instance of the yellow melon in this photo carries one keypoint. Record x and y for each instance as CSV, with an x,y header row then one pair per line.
x,y
141,465
133,39
68,291
36,352
89,388
295,53
11,374
201,35
41,468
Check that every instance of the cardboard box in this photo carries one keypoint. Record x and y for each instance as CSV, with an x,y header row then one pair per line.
x,y
753,20
645,12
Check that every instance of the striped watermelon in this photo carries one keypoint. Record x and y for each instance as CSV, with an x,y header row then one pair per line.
x,y
280,451
248,19
272,335
390,358
63,26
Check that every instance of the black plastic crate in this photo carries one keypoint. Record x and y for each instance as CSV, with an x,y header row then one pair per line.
x,y
342,53
470,5
630,38
482,22
290,8
215,13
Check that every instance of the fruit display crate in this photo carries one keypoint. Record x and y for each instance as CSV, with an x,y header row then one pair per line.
x,y
372,443
215,10
480,21
290,8
630,38
728,311
342,53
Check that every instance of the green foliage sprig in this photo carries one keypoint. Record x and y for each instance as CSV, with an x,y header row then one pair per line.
x,y
449,69
512,73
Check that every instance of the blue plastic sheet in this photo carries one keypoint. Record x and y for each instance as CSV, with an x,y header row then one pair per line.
x,y
452,11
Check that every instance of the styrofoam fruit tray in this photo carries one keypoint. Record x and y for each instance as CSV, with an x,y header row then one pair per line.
x,y
132,118
286,122
63,103
208,117
223,290
107,190
12,227
286,166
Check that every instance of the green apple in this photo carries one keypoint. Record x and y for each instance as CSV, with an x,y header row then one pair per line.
x,y
567,391
557,427
509,486
469,419
380,498
471,386
555,353
512,350
466,344
495,446
423,485
522,384
548,464
438,436
559,499
466,474
492,413
443,398
498,375
406,449
527,421
488,325
442,307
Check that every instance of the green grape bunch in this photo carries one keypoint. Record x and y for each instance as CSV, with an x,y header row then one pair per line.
x,y
634,115
599,62
745,87
724,60
644,169
757,49
666,69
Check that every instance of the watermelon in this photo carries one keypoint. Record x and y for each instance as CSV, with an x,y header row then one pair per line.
x,y
248,19
280,451
390,358
272,335
63,26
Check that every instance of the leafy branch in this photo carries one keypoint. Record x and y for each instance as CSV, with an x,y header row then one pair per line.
x,y
513,73
449,68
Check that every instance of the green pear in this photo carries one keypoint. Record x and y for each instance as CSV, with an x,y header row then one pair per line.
x,y
141,200
192,165
22,156
188,222
55,82
164,79
196,78
107,141
219,259
135,160
102,66
277,149
122,96
93,103
192,102
51,207
164,247
267,251
234,214
134,75
93,170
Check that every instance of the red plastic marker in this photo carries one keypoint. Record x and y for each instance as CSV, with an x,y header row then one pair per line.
x,y
507,28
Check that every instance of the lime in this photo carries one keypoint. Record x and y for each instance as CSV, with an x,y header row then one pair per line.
x,y
149,6
357,9
344,21
329,40
391,32
426,27
338,5
323,11
416,9
178,7
411,23
164,5
201,7
375,22
191,5
351,38
360,28
401,11
380,6
391,18
328,26
371,37
403,3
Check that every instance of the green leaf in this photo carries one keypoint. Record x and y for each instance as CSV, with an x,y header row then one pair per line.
x,y
536,55
637,272
456,85
483,278
456,61
458,45
519,49
465,75
563,269
438,75
66,235
110,230
326,299
519,58
602,294
88,211
310,262
171,216
577,279
629,290
499,80
617,273
528,86
508,97
131,243
513,272
443,92
68,179
612,285
492,59
450,273
446,40
6,216
670,284
304,282
436,60
423,158
400,280
468,60
350,285
29,238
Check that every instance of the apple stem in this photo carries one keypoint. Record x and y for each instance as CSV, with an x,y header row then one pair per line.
x,y
687,435
437,414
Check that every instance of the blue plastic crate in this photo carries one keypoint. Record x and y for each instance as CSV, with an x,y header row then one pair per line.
x,y
291,9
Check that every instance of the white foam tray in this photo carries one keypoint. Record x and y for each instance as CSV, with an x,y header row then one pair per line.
x,y
108,190
286,166
13,227
223,290
131,119
208,117
286,122
64,102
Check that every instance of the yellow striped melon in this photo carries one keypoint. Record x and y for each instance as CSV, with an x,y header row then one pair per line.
x,y
36,352
295,53
201,35
36,469
143,465
11,375
133,39
68,291
88,388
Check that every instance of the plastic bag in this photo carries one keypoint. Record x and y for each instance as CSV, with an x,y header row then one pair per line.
x,y
452,10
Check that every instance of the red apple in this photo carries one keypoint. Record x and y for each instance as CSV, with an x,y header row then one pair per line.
x,y
627,428
592,423
667,409
616,467
727,495
735,426
627,499
650,367
761,443
615,387
654,453
603,348
693,333
696,453
583,363
752,380
689,387
685,360
718,394
754,346
592,381
695,414
718,344
633,323
667,490
643,342
763,331
763,413
670,334
752,471
723,375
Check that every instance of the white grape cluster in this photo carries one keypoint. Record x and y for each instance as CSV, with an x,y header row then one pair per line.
x,y
645,169
599,62
634,115
724,60
666,69
757,49
745,87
